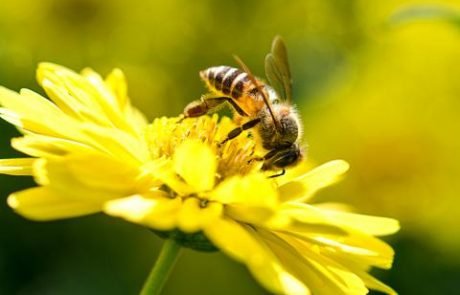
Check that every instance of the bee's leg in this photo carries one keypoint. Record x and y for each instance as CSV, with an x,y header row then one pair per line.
x,y
269,159
237,131
235,106
254,159
279,174
208,104
266,157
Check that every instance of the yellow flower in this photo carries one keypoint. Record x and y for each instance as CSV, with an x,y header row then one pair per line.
x,y
289,246
92,151
86,144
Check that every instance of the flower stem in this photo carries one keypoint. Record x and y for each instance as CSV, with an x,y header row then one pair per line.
x,y
162,268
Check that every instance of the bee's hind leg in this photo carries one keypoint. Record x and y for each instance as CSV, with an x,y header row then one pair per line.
x,y
208,104
237,131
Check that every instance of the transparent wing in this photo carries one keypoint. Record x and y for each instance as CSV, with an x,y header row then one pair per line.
x,y
261,89
277,69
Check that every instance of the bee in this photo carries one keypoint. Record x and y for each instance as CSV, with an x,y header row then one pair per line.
x,y
267,108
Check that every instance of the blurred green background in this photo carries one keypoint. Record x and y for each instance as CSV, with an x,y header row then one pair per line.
x,y
383,96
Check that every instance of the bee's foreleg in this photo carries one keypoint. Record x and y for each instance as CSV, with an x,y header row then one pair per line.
x,y
278,175
237,131
266,157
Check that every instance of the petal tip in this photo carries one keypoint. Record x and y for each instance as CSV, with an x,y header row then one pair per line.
x,y
12,201
342,165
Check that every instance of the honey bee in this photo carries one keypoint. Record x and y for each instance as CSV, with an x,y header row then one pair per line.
x,y
257,105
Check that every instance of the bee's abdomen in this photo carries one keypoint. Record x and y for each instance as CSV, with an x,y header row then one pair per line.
x,y
227,80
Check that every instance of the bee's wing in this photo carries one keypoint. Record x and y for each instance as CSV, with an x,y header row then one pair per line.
x,y
261,89
277,69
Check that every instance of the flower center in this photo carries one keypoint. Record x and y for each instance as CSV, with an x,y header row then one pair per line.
x,y
233,157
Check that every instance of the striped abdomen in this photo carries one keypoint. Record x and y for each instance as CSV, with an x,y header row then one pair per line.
x,y
227,81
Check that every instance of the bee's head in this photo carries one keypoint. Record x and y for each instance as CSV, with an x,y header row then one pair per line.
x,y
283,158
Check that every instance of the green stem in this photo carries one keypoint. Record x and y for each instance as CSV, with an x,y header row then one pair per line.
x,y
162,268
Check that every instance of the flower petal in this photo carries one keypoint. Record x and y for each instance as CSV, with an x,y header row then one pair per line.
x,y
116,82
154,209
382,254
238,242
19,166
91,177
42,146
349,242
305,186
192,217
372,225
81,96
163,169
361,270
306,218
42,204
196,163
27,110
375,284
116,143
253,190
250,199
322,274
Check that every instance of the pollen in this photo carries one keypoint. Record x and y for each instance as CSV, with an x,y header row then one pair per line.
x,y
234,157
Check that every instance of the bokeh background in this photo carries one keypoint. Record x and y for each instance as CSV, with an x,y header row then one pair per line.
x,y
377,83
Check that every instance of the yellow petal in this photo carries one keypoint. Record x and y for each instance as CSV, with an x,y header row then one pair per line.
x,y
384,254
366,224
193,217
361,269
323,275
251,214
250,199
88,98
163,169
67,103
42,204
375,284
306,218
305,186
359,247
65,81
196,163
108,102
42,146
73,94
243,245
349,242
19,166
90,177
116,143
154,209
372,225
28,110
116,82
250,190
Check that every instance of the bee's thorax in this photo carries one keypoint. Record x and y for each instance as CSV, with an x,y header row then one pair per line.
x,y
289,129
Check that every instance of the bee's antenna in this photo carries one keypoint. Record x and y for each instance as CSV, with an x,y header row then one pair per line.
x,y
260,88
